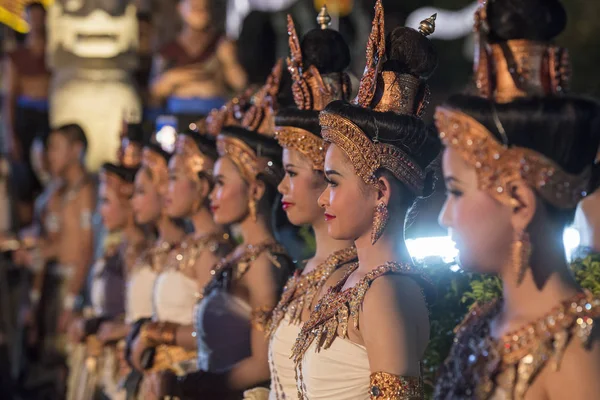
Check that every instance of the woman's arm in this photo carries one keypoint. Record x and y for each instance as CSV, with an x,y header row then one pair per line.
x,y
394,325
235,76
261,283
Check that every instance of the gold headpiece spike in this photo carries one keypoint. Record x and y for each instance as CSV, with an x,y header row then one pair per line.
x,y
427,26
324,19
375,54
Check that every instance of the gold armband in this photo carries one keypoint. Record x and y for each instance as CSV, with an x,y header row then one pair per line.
x,y
260,317
385,386
157,333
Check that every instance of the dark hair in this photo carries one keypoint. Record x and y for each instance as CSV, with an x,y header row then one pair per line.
x,y
135,133
406,132
205,143
262,145
156,148
539,20
33,5
564,129
125,173
258,36
326,49
304,119
74,133
410,52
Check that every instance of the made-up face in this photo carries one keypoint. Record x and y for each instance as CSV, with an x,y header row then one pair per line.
x,y
479,224
146,201
61,153
195,13
230,195
113,211
301,188
184,195
348,202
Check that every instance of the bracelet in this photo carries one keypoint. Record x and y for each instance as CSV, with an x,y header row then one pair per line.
x,y
157,333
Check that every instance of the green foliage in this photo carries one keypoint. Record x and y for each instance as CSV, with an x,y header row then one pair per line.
x,y
483,289
587,272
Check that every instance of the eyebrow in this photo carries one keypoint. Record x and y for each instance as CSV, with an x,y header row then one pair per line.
x,y
332,172
451,179
288,165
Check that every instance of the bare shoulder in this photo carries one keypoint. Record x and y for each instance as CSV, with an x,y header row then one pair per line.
x,y
393,290
87,195
577,376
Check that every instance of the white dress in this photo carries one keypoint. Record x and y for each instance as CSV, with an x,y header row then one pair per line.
x,y
283,371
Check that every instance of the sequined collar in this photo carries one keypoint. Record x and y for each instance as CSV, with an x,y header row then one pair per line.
x,y
480,366
300,290
235,265
332,312
191,247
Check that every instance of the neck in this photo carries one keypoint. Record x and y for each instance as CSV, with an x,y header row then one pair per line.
x,y
546,282
203,223
389,247
35,40
326,245
168,231
132,233
255,232
73,174
189,33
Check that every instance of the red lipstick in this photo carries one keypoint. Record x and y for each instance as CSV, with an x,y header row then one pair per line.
x,y
285,205
329,217
214,208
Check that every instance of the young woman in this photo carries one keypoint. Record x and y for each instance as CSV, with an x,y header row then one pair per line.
x,y
181,280
367,334
516,163
323,56
232,314
96,332
148,206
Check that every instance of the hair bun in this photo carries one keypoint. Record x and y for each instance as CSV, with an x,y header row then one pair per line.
x,y
410,52
539,20
326,49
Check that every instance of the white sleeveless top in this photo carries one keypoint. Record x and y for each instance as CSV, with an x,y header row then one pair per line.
x,y
340,372
140,287
283,371
175,296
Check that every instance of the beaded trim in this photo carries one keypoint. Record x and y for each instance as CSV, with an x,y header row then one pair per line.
x,y
236,265
168,357
310,145
386,386
367,157
194,160
482,365
246,160
157,165
498,166
191,248
300,290
260,318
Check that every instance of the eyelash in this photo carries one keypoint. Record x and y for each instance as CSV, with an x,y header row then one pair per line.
x,y
453,192
330,182
291,174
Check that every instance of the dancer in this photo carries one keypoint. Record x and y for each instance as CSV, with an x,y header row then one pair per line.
x,y
171,331
317,67
367,334
516,163
233,312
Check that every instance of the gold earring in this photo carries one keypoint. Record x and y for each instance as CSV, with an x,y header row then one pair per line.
x,y
252,209
380,220
521,253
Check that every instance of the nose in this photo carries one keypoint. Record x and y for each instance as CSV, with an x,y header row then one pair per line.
x,y
323,200
444,219
283,185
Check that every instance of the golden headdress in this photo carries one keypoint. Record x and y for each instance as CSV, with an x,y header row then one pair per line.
x,y
504,72
157,164
195,161
260,119
112,180
229,114
311,91
516,68
381,91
